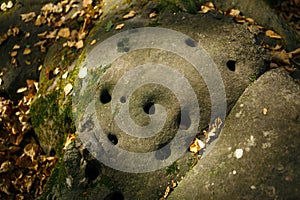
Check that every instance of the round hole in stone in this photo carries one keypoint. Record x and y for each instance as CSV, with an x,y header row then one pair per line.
x,y
123,99
114,196
91,170
184,120
231,65
112,138
190,42
105,96
149,108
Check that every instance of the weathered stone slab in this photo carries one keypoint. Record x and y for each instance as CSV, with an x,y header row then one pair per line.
x,y
268,168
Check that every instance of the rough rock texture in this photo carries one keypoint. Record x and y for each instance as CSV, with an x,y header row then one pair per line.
x,y
268,168
220,37
262,12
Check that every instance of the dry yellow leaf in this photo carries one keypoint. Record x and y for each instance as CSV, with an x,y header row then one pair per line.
x,y
281,57
14,53
250,20
152,15
233,12
119,26
272,34
26,51
27,17
207,7
85,3
131,14
93,42
40,20
27,62
64,32
16,46
195,147
70,139
23,89
79,44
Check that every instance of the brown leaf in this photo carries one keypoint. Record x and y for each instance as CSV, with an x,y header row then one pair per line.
x,y
31,150
79,44
64,33
26,51
85,3
152,15
27,17
16,46
281,57
131,14
233,12
119,26
40,20
272,34
14,53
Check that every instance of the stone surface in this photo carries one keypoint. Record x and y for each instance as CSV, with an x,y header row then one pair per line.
x,y
268,168
218,35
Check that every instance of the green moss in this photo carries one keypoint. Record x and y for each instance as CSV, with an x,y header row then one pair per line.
x,y
172,169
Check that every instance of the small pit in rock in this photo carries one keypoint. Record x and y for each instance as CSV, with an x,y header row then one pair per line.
x,y
149,108
112,138
231,65
123,99
105,96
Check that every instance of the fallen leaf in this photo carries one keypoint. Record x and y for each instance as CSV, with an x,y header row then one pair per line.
x,y
119,26
31,150
27,62
16,46
93,42
68,88
27,17
64,33
23,89
272,34
167,192
14,53
40,20
131,14
27,35
85,3
70,139
9,4
250,20
65,75
26,51
281,57
79,44
152,15
207,7
233,12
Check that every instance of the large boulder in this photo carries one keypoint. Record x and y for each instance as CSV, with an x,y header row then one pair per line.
x,y
256,155
229,47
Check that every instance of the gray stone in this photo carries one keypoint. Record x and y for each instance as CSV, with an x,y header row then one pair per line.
x,y
269,165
